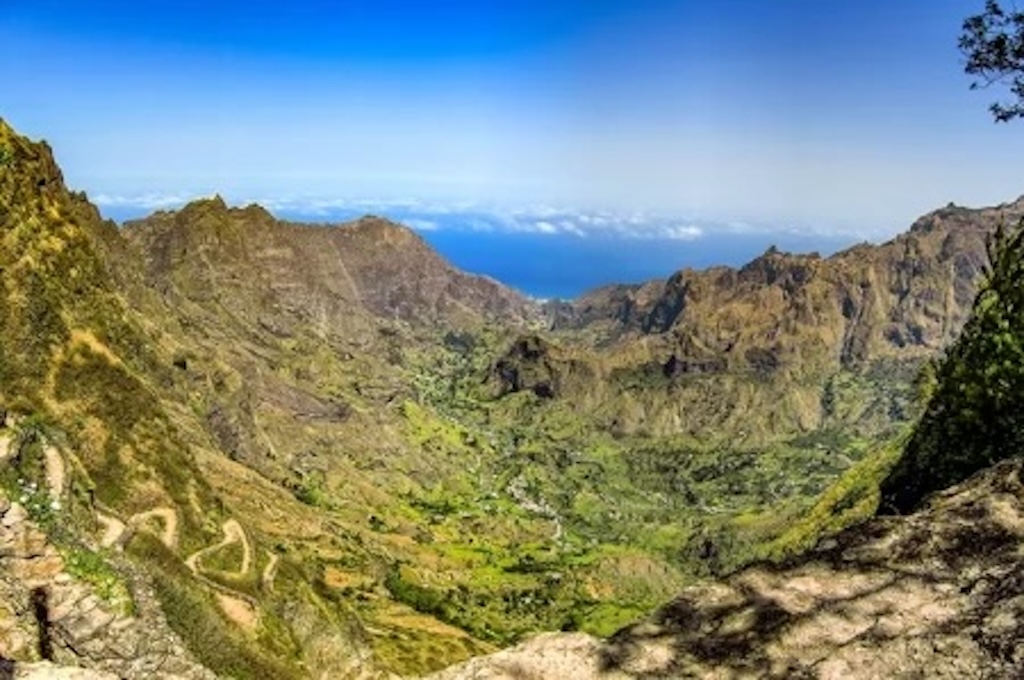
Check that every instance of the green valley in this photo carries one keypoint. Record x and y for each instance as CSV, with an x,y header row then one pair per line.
x,y
325,451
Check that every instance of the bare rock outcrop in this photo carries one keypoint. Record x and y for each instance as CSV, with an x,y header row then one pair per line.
x,y
46,614
45,670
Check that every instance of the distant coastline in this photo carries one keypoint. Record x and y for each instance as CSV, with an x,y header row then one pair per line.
x,y
563,264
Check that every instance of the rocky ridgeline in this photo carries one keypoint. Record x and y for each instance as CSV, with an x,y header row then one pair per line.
x,y
938,594
213,333
46,613
765,350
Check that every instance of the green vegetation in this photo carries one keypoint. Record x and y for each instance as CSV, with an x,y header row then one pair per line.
x,y
228,558
311,491
555,507
853,498
993,44
24,479
193,614
94,569
429,490
974,417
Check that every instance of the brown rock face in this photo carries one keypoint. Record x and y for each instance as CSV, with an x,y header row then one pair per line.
x,y
277,273
760,349
939,594
906,297
535,365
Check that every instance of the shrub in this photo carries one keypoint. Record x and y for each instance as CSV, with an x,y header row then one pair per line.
x,y
976,412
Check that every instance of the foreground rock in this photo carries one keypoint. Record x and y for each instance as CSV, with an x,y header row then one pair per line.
x,y
939,594
46,611
48,671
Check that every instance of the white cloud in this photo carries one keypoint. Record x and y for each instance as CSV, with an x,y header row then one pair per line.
x,y
686,232
148,201
595,220
570,227
435,215
480,225
421,224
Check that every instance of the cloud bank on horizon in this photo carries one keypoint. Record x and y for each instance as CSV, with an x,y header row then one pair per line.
x,y
836,116
471,217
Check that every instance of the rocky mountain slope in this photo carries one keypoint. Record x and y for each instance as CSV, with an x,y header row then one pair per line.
x,y
913,291
937,594
88,378
67,621
788,324
301,450
285,274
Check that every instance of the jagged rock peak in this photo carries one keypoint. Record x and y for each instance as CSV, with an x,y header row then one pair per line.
x,y
27,163
960,217
387,230
215,203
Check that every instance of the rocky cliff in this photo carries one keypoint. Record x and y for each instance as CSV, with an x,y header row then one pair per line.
x,y
320,451
911,293
280,273
774,347
67,614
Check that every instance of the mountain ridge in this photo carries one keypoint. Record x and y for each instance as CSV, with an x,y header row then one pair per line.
x,y
413,469
366,252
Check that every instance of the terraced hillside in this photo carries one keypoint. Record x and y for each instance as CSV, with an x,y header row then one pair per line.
x,y
325,451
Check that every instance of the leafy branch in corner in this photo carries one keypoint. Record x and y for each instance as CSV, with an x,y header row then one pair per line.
x,y
993,44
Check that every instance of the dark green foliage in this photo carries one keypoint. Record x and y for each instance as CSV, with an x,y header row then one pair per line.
x,y
311,490
416,596
976,413
993,43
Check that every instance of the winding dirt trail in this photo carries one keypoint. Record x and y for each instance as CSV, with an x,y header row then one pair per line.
x,y
56,475
238,610
113,529
233,533
267,578
169,535
238,607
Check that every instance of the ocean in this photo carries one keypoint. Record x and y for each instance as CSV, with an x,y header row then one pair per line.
x,y
564,266
562,255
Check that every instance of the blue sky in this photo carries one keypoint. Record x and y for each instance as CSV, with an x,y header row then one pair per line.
x,y
825,115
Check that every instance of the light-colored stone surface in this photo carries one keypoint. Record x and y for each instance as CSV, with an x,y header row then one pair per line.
x,y
56,477
550,655
82,628
48,671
